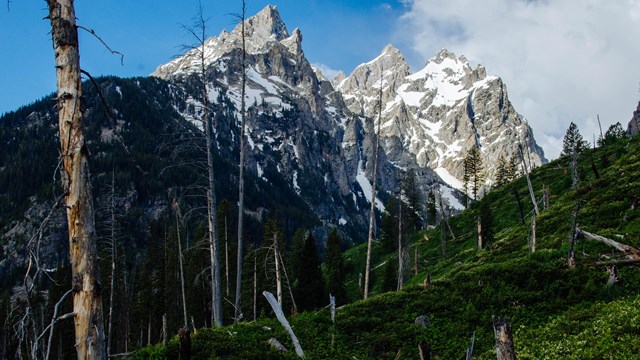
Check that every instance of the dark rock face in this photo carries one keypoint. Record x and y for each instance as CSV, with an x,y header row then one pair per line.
x,y
634,125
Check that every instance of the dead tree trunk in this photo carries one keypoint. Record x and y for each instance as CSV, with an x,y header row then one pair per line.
x,y
184,296
504,339
514,191
113,261
415,259
277,263
479,234
238,311
575,178
630,251
76,181
255,286
373,197
283,320
400,247
532,243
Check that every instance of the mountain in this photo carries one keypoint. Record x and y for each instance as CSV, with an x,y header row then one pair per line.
x,y
431,118
634,125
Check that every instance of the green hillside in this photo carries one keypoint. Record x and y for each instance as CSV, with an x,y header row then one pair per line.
x,y
555,312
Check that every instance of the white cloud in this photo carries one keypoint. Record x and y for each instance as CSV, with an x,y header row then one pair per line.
x,y
563,60
328,72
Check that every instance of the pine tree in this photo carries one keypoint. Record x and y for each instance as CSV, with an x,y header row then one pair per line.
x,y
614,133
502,175
573,139
473,171
389,226
335,268
411,198
310,292
431,208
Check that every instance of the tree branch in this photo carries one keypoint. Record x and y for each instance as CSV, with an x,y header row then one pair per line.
x,y
114,52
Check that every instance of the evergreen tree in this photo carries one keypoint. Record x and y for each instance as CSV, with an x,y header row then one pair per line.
x,y
389,225
431,208
513,168
502,174
310,292
411,207
390,279
573,140
614,133
486,219
473,171
335,268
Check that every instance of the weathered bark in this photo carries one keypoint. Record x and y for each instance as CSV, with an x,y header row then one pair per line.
x,y
532,244
618,262
238,311
526,173
630,251
277,261
76,181
373,198
613,275
415,260
504,339
164,331
575,178
469,352
276,345
479,233
545,197
283,320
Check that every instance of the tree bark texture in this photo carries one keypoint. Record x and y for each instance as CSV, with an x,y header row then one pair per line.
x,y
504,339
283,320
87,300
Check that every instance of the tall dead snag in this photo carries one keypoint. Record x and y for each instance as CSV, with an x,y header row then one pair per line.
x,y
532,241
504,339
199,32
479,233
575,178
184,346
238,311
76,181
373,194
283,320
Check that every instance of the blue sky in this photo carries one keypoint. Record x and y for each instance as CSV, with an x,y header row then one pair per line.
x,y
562,60
339,34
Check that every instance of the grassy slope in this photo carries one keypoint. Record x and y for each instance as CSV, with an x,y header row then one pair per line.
x,y
556,313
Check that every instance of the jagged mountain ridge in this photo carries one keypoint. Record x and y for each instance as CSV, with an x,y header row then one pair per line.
x,y
432,117
297,125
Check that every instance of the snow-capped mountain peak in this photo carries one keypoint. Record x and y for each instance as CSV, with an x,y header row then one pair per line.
x,y
431,118
262,31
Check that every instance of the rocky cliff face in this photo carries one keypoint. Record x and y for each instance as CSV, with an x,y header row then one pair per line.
x,y
634,125
298,126
431,118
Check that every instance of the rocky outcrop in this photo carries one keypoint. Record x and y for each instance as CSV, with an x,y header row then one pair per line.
x,y
431,118
634,125
298,126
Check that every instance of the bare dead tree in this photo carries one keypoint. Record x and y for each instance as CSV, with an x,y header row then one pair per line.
x,y
199,32
373,194
283,320
89,329
238,311
504,339
176,209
